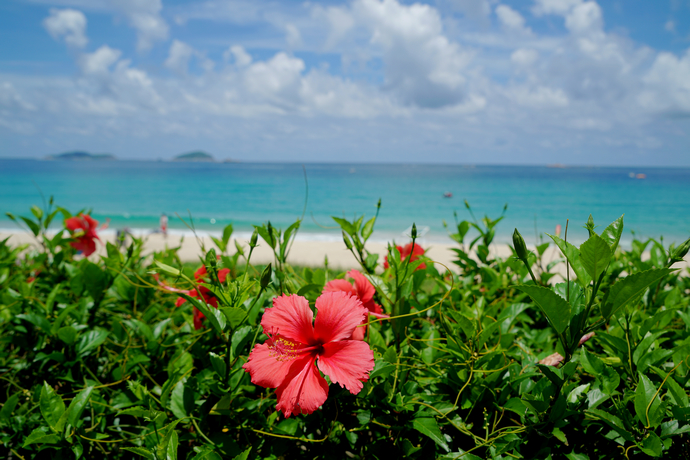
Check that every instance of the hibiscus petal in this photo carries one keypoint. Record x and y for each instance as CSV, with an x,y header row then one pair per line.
x,y
73,223
365,290
337,315
223,274
265,370
340,285
290,317
303,390
347,363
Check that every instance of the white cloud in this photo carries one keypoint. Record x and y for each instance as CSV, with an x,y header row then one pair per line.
x,y
511,20
178,57
584,18
99,62
668,84
239,55
422,66
277,79
539,98
292,36
559,7
68,24
670,26
524,57
145,17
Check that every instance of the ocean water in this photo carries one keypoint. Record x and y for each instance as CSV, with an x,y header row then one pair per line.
x,y
134,194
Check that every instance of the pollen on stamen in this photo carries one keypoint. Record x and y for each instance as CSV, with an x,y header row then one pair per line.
x,y
282,349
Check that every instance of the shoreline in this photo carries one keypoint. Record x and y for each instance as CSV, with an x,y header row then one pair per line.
x,y
304,252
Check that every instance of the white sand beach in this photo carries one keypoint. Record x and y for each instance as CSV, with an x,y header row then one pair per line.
x,y
303,253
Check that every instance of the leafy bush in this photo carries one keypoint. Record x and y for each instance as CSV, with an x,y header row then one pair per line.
x,y
128,356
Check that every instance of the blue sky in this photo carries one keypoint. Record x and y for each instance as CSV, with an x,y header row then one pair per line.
x,y
447,81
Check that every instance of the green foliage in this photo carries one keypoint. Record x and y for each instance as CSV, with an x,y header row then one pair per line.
x,y
97,361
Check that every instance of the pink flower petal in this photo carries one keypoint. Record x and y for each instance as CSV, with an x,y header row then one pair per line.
x,y
347,362
337,315
264,368
340,285
365,290
290,317
303,390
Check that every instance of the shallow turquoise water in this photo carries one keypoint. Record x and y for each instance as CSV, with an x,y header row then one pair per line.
x,y
135,193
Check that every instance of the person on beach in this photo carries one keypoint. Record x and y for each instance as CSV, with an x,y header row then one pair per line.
x,y
164,225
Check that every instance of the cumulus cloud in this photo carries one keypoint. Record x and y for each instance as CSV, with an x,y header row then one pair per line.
x,y
145,17
668,84
422,66
524,57
99,62
238,54
68,24
511,20
421,81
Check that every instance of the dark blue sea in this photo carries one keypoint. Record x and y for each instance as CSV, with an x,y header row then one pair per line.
x,y
134,194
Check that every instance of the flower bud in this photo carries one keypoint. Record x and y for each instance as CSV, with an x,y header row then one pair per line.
x,y
266,276
520,246
681,251
254,239
413,233
347,241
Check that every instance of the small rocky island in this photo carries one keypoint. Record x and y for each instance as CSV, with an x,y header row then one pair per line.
x,y
81,156
194,156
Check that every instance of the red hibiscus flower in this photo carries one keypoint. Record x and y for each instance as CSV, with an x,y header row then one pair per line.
x,y
415,250
83,230
288,360
364,291
206,294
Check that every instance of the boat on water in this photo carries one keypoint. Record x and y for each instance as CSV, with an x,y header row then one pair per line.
x,y
447,195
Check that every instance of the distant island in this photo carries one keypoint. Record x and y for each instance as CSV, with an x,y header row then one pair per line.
x,y
194,156
81,156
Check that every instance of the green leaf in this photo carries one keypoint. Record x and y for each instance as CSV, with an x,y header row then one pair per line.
x,y
215,317
595,254
95,281
646,403
141,451
91,340
554,307
8,407
207,454
368,228
239,338
651,445
162,447
41,436
172,446
76,407
429,427
630,288
35,229
67,334
612,233
218,364
52,407
182,400
243,455
573,255
345,225
234,315
558,434
679,395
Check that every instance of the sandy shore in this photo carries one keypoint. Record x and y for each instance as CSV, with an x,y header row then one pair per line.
x,y
303,253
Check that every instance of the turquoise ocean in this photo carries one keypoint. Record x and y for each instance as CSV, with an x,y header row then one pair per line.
x,y
133,194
